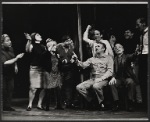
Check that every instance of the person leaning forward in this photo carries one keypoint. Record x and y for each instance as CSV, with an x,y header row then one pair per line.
x,y
102,69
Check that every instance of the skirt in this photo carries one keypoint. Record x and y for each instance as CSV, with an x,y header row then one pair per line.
x,y
52,80
36,77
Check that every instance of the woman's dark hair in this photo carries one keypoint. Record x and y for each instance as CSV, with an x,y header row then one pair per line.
x,y
33,37
3,37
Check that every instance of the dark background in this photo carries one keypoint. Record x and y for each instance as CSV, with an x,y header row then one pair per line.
x,y
56,20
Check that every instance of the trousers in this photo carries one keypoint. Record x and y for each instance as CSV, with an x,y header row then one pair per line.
x,y
83,89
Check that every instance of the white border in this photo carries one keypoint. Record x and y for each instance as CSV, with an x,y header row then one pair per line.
x,y
74,2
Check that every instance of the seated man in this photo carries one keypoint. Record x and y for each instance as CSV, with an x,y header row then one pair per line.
x,y
123,77
102,69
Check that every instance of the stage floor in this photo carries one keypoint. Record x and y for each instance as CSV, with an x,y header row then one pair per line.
x,y
68,114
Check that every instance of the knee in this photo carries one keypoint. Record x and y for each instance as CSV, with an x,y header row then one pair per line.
x,y
78,87
96,86
33,90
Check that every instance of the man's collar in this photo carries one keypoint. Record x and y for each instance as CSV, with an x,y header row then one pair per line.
x,y
37,42
146,29
100,56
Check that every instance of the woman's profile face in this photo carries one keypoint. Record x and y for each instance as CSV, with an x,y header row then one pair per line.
x,y
38,37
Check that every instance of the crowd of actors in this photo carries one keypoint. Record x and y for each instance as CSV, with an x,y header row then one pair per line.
x,y
121,66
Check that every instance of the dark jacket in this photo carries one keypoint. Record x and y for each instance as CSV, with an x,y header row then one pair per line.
x,y
8,70
123,69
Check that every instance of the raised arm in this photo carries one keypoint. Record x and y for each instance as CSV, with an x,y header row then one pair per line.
x,y
29,45
86,34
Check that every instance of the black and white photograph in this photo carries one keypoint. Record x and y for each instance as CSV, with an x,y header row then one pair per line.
x,y
74,61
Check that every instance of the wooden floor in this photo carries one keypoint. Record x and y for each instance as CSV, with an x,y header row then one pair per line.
x,y
68,114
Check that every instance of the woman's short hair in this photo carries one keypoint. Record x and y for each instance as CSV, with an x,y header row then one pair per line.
x,y
33,36
49,40
3,37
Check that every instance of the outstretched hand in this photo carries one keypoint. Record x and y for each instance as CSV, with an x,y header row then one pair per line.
x,y
74,58
20,55
28,37
64,61
137,50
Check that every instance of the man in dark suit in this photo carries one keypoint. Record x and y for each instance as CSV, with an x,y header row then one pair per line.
x,y
142,26
123,77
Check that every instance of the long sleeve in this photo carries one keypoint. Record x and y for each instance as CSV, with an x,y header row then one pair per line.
x,y
86,39
131,57
110,68
84,64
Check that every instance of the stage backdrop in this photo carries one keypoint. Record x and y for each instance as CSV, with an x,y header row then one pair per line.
x,y
55,20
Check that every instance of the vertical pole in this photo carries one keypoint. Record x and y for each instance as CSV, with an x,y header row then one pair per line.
x,y
80,48
80,36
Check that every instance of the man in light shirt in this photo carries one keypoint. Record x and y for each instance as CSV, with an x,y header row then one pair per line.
x,y
102,69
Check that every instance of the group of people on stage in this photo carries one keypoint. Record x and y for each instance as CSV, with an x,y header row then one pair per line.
x,y
117,65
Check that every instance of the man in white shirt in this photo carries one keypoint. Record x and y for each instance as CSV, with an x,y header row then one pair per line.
x,y
97,37
141,25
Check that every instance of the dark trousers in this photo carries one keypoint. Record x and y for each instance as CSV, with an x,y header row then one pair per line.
x,y
68,86
143,76
57,92
8,86
128,84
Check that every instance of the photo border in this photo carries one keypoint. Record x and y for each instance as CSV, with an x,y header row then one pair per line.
x,y
82,2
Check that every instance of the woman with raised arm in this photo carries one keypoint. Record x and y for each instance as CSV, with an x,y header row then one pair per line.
x,y
37,50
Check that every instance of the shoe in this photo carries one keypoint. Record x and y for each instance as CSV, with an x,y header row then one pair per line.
x,y
28,108
40,108
115,106
102,107
130,106
47,108
8,109
130,109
